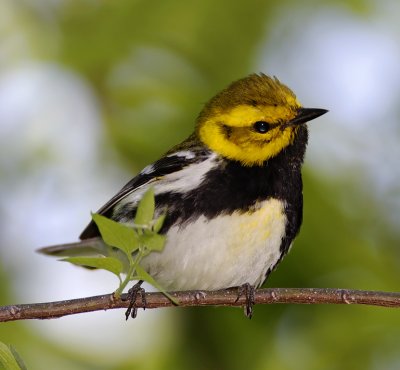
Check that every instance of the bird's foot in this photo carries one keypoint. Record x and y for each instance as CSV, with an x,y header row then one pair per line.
x,y
248,291
132,295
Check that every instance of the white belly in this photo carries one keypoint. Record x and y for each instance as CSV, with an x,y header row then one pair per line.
x,y
227,251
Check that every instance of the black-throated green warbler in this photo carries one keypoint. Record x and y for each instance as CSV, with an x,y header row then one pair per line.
x,y
232,190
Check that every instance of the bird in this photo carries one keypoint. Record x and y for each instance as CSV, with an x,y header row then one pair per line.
x,y
232,191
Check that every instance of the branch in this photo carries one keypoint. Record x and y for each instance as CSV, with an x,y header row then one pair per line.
x,y
228,297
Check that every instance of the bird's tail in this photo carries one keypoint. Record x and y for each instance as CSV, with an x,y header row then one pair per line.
x,y
86,247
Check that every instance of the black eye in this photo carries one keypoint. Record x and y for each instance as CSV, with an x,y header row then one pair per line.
x,y
261,127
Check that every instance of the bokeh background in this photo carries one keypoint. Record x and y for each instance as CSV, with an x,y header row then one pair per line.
x,y
93,90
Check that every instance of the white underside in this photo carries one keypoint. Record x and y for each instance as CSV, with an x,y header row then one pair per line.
x,y
226,251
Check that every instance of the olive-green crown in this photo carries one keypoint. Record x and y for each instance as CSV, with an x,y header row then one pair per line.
x,y
254,90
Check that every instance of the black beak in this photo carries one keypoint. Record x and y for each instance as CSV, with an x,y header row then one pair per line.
x,y
306,114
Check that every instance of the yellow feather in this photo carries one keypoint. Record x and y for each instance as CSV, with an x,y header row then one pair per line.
x,y
243,144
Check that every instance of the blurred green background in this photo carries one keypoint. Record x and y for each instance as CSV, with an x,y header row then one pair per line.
x,y
92,91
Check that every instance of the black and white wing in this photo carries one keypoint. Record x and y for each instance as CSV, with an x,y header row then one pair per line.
x,y
167,173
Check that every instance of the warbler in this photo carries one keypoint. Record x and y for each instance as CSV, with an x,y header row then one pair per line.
x,y
232,191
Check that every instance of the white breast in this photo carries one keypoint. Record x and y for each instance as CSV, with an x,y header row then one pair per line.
x,y
226,251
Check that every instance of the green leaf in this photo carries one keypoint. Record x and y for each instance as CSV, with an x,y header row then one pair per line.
x,y
105,263
153,242
116,234
8,360
146,207
141,274
18,358
159,223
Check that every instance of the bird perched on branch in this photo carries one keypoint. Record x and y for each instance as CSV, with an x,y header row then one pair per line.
x,y
232,191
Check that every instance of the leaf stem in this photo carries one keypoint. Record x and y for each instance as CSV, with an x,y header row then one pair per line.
x,y
124,283
131,271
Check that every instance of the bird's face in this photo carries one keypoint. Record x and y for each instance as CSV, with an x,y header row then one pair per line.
x,y
253,122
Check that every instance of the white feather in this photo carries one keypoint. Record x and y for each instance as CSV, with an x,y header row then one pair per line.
x,y
181,181
228,250
147,170
188,154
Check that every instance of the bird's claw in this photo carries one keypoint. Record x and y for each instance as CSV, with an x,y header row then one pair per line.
x,y
131,296
248,291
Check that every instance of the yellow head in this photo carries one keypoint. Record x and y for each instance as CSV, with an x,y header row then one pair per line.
x,y
252,120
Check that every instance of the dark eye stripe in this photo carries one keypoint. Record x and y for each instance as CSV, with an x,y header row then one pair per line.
x,y
227,131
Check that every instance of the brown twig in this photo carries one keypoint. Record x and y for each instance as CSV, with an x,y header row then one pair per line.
x,y
227,297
